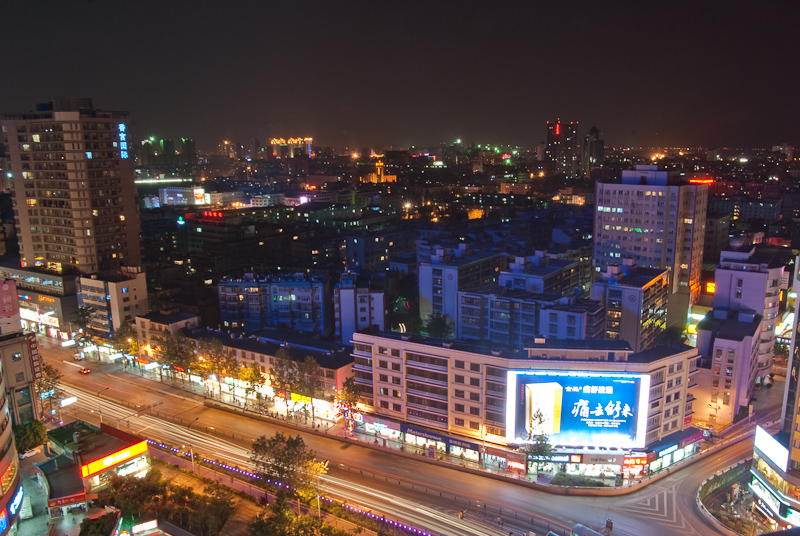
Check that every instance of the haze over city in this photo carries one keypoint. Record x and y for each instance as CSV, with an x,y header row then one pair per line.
x,y
417,73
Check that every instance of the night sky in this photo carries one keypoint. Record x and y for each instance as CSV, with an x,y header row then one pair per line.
x,y
416,73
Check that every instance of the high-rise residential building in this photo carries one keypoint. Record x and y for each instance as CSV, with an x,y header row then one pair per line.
x,y
746,282
20,405
167,154
112,298
636,302
563,148
776,458
659,221
358,303
592,153
74,195
449,270
718,226
728,341
188,151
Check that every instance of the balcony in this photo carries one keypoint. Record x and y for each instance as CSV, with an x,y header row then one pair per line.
x,y
422,379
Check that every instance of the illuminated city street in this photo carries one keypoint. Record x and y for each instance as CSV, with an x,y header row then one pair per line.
x,y
666,507
399,269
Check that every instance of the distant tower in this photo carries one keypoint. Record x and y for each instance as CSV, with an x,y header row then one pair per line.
x,y
188,152
167,154
592,154
563,150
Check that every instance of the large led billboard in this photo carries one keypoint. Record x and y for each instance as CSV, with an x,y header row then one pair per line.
x,y
578,408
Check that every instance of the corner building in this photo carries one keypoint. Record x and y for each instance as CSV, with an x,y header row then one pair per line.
x,y
13,349
475,401
73,191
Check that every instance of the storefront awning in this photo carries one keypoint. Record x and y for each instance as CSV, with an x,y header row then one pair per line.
x,y
681,439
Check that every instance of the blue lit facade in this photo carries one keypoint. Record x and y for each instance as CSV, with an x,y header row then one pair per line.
x,y
293,301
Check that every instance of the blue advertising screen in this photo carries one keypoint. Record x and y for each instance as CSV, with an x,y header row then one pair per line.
x,y
577,408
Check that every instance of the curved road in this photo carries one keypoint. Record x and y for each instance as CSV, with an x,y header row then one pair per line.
x,y
410,489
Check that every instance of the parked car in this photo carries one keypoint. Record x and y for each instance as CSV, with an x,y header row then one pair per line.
x,y
28,453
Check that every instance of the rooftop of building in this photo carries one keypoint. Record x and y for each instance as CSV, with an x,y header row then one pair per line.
x,y
63,477
300,277
473,256
167,317
14,264
327,355
93,443
730,324
546,267
637,276
660,352
83,105
514,294
529,352
117,276
745,253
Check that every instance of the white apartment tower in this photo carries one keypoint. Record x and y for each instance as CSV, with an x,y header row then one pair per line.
x,y
747,283
357,304
72,181
658,221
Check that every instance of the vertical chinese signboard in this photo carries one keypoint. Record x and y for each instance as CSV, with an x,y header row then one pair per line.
x,y
36,358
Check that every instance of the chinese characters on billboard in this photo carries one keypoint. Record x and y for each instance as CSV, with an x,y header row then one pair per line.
x,y
577,408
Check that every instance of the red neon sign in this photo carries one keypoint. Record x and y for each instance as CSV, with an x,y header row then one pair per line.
x,y
212,214
701,181
635,460
558,129
113,459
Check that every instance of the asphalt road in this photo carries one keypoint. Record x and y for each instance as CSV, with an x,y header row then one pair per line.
x,y
405,488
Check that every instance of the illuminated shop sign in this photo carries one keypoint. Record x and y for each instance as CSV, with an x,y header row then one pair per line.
x,y
13,506
578,407
99,465
141,527
772,449
123,140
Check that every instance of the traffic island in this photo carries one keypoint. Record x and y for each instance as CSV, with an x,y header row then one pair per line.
x,y
725,501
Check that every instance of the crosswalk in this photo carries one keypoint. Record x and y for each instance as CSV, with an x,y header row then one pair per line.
x,y
663,509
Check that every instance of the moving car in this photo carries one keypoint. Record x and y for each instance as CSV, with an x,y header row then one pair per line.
x,y
85,370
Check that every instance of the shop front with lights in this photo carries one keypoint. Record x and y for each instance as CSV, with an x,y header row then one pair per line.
x,y
382,429
777,493
87,459
433,444
583,462
674,448
9,512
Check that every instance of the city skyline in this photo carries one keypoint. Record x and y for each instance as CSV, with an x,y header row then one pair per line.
x,y
416,75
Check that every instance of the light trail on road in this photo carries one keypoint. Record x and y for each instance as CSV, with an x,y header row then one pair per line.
x,y
410,512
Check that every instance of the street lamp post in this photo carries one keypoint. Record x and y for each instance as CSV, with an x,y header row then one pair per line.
x,y
714,421
191,453
99,407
